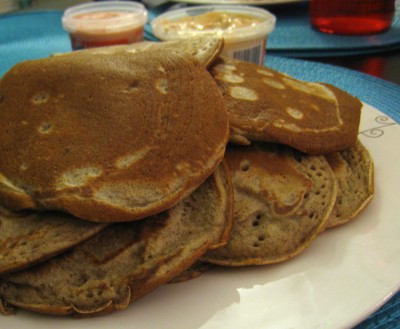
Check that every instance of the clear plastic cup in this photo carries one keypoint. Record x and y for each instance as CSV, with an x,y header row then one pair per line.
x,y
245,29
105,23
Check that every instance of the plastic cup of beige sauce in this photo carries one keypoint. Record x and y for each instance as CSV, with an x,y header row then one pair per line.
x,y
105,23
245,29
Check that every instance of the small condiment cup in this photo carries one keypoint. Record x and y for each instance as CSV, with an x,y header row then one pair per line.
x,y
245,29
105,23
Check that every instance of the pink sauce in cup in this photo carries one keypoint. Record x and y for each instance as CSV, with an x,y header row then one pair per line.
x,y
105,23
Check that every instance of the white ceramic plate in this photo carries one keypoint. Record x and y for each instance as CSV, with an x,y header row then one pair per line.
x,y
241,2
346,274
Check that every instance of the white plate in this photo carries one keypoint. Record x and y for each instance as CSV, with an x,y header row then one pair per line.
x,y
346,274
241,2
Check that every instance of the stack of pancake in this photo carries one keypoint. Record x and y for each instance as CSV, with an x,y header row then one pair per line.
x,y
125,168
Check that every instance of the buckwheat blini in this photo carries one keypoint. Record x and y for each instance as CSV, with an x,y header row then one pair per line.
x,y
266,105
354,172
29,237
112,137
127,260
283,199
204,48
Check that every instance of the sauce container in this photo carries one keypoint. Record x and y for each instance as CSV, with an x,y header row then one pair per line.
x,y
105,23
245,29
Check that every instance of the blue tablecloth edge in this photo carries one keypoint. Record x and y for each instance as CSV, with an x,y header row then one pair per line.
x,y
377,310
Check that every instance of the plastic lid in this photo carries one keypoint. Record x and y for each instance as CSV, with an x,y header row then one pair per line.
x,y
110,16
262,22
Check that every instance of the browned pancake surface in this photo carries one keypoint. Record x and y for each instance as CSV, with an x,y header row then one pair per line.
x,y
28,237
354,171
108,138
192,272
266,105
126,260
282,201
204,49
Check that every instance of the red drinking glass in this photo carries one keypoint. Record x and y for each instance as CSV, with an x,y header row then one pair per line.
x,y
352,17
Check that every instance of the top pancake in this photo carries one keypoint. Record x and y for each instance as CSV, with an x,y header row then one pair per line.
x,y
205,49
265,105
108,137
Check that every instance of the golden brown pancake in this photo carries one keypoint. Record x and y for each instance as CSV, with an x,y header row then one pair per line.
x,y
205,49
30,237
192,272
126,260
282,201
108,137
266,105
354,171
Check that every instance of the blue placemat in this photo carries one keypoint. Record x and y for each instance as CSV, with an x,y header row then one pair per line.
x,y
39,34
30,36
387,317
374,91
294,37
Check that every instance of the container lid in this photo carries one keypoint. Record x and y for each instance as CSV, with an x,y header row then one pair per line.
x,y
107,16
233,22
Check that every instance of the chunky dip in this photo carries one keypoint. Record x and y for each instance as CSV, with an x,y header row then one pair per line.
x,y
245,29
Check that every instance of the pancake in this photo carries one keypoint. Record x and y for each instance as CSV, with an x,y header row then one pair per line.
x,y
354,171
126,260
283,199
192,272
266,105
27,238
205,49
108,138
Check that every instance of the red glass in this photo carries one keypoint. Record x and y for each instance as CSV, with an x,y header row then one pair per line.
x,y
352,17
